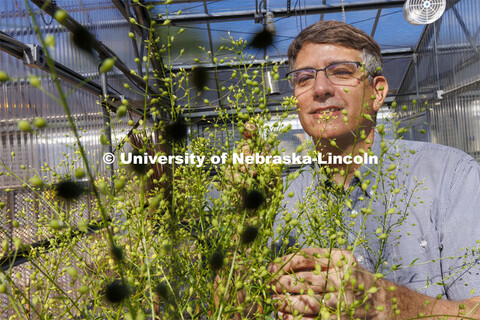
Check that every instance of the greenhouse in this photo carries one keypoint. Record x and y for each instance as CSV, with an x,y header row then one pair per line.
x,y
227,159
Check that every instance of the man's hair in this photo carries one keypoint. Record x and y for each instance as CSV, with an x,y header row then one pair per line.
x,y
341,34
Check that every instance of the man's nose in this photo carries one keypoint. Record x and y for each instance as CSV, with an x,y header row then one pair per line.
x,y
322,86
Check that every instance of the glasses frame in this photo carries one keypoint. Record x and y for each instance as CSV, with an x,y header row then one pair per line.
x,y
292,85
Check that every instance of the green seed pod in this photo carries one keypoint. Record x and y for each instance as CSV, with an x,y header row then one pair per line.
x,y
107,65
119,183
24,126
103,139
367,116
17,243
50,40
72,272
79,173
40,122
56,224
60,16
35,81
391,167
36,181
83,289
122,111
82,226
3,76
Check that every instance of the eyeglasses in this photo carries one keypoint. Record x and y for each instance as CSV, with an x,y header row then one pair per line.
x,y
343,74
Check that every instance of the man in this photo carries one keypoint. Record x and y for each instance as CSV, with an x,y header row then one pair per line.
x,y
405,230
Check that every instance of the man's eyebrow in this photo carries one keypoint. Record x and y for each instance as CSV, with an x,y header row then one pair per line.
x,y
328,63
337,61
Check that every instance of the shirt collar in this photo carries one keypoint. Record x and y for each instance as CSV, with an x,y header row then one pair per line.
x,y
367,170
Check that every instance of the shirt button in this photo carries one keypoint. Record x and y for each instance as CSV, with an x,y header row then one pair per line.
x,y
360,259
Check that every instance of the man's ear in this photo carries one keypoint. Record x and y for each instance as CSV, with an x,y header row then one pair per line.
x,y
380,87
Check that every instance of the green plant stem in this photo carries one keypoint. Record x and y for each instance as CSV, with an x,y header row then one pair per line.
x,y
81,149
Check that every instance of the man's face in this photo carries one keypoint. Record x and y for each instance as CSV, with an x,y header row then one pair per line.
x,y
320,107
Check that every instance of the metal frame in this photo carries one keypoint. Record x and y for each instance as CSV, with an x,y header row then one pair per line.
x,y
283,12
72,25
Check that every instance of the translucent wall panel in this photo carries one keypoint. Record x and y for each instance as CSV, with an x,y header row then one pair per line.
x,y
446,76
50,152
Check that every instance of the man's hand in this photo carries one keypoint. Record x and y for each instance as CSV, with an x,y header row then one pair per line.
x,y
319,283
258,176
324,282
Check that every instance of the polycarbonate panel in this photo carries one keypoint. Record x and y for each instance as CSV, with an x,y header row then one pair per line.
x,y
393,31
447,77
194,7
191,41
391,22
50,152
393,67
101,18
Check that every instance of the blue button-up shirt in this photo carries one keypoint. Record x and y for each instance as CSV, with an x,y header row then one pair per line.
x,y
418,219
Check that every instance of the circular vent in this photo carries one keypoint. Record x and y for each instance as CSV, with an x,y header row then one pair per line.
x,y
423,11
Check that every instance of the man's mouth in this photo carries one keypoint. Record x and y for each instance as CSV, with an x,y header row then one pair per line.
x,y
326,111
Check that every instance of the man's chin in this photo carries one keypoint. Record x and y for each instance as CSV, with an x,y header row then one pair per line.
x,y
330,132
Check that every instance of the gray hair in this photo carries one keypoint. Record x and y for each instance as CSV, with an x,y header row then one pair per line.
x,y
342,34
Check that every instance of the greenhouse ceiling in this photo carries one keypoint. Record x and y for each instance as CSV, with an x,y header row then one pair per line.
x,y
211,23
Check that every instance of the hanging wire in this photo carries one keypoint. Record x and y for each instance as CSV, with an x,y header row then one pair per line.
x,y
343,12
53,3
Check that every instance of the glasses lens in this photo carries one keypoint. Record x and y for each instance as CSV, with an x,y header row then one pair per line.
x,y
302,78
345,73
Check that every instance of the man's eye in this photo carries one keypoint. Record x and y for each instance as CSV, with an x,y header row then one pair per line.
x,y
303,78
341,72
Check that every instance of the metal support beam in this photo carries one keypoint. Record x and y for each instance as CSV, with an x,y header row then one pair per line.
x,y
324,2
283,12
125,11
18,49
465,31
73,25
205,7
386,54
375,24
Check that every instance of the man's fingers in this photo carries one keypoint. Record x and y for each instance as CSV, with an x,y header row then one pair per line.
x,y
306,259
311,259
250,130
287,316
308,305
303,280
303,304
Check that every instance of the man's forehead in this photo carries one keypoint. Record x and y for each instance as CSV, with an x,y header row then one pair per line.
x,y
328,53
